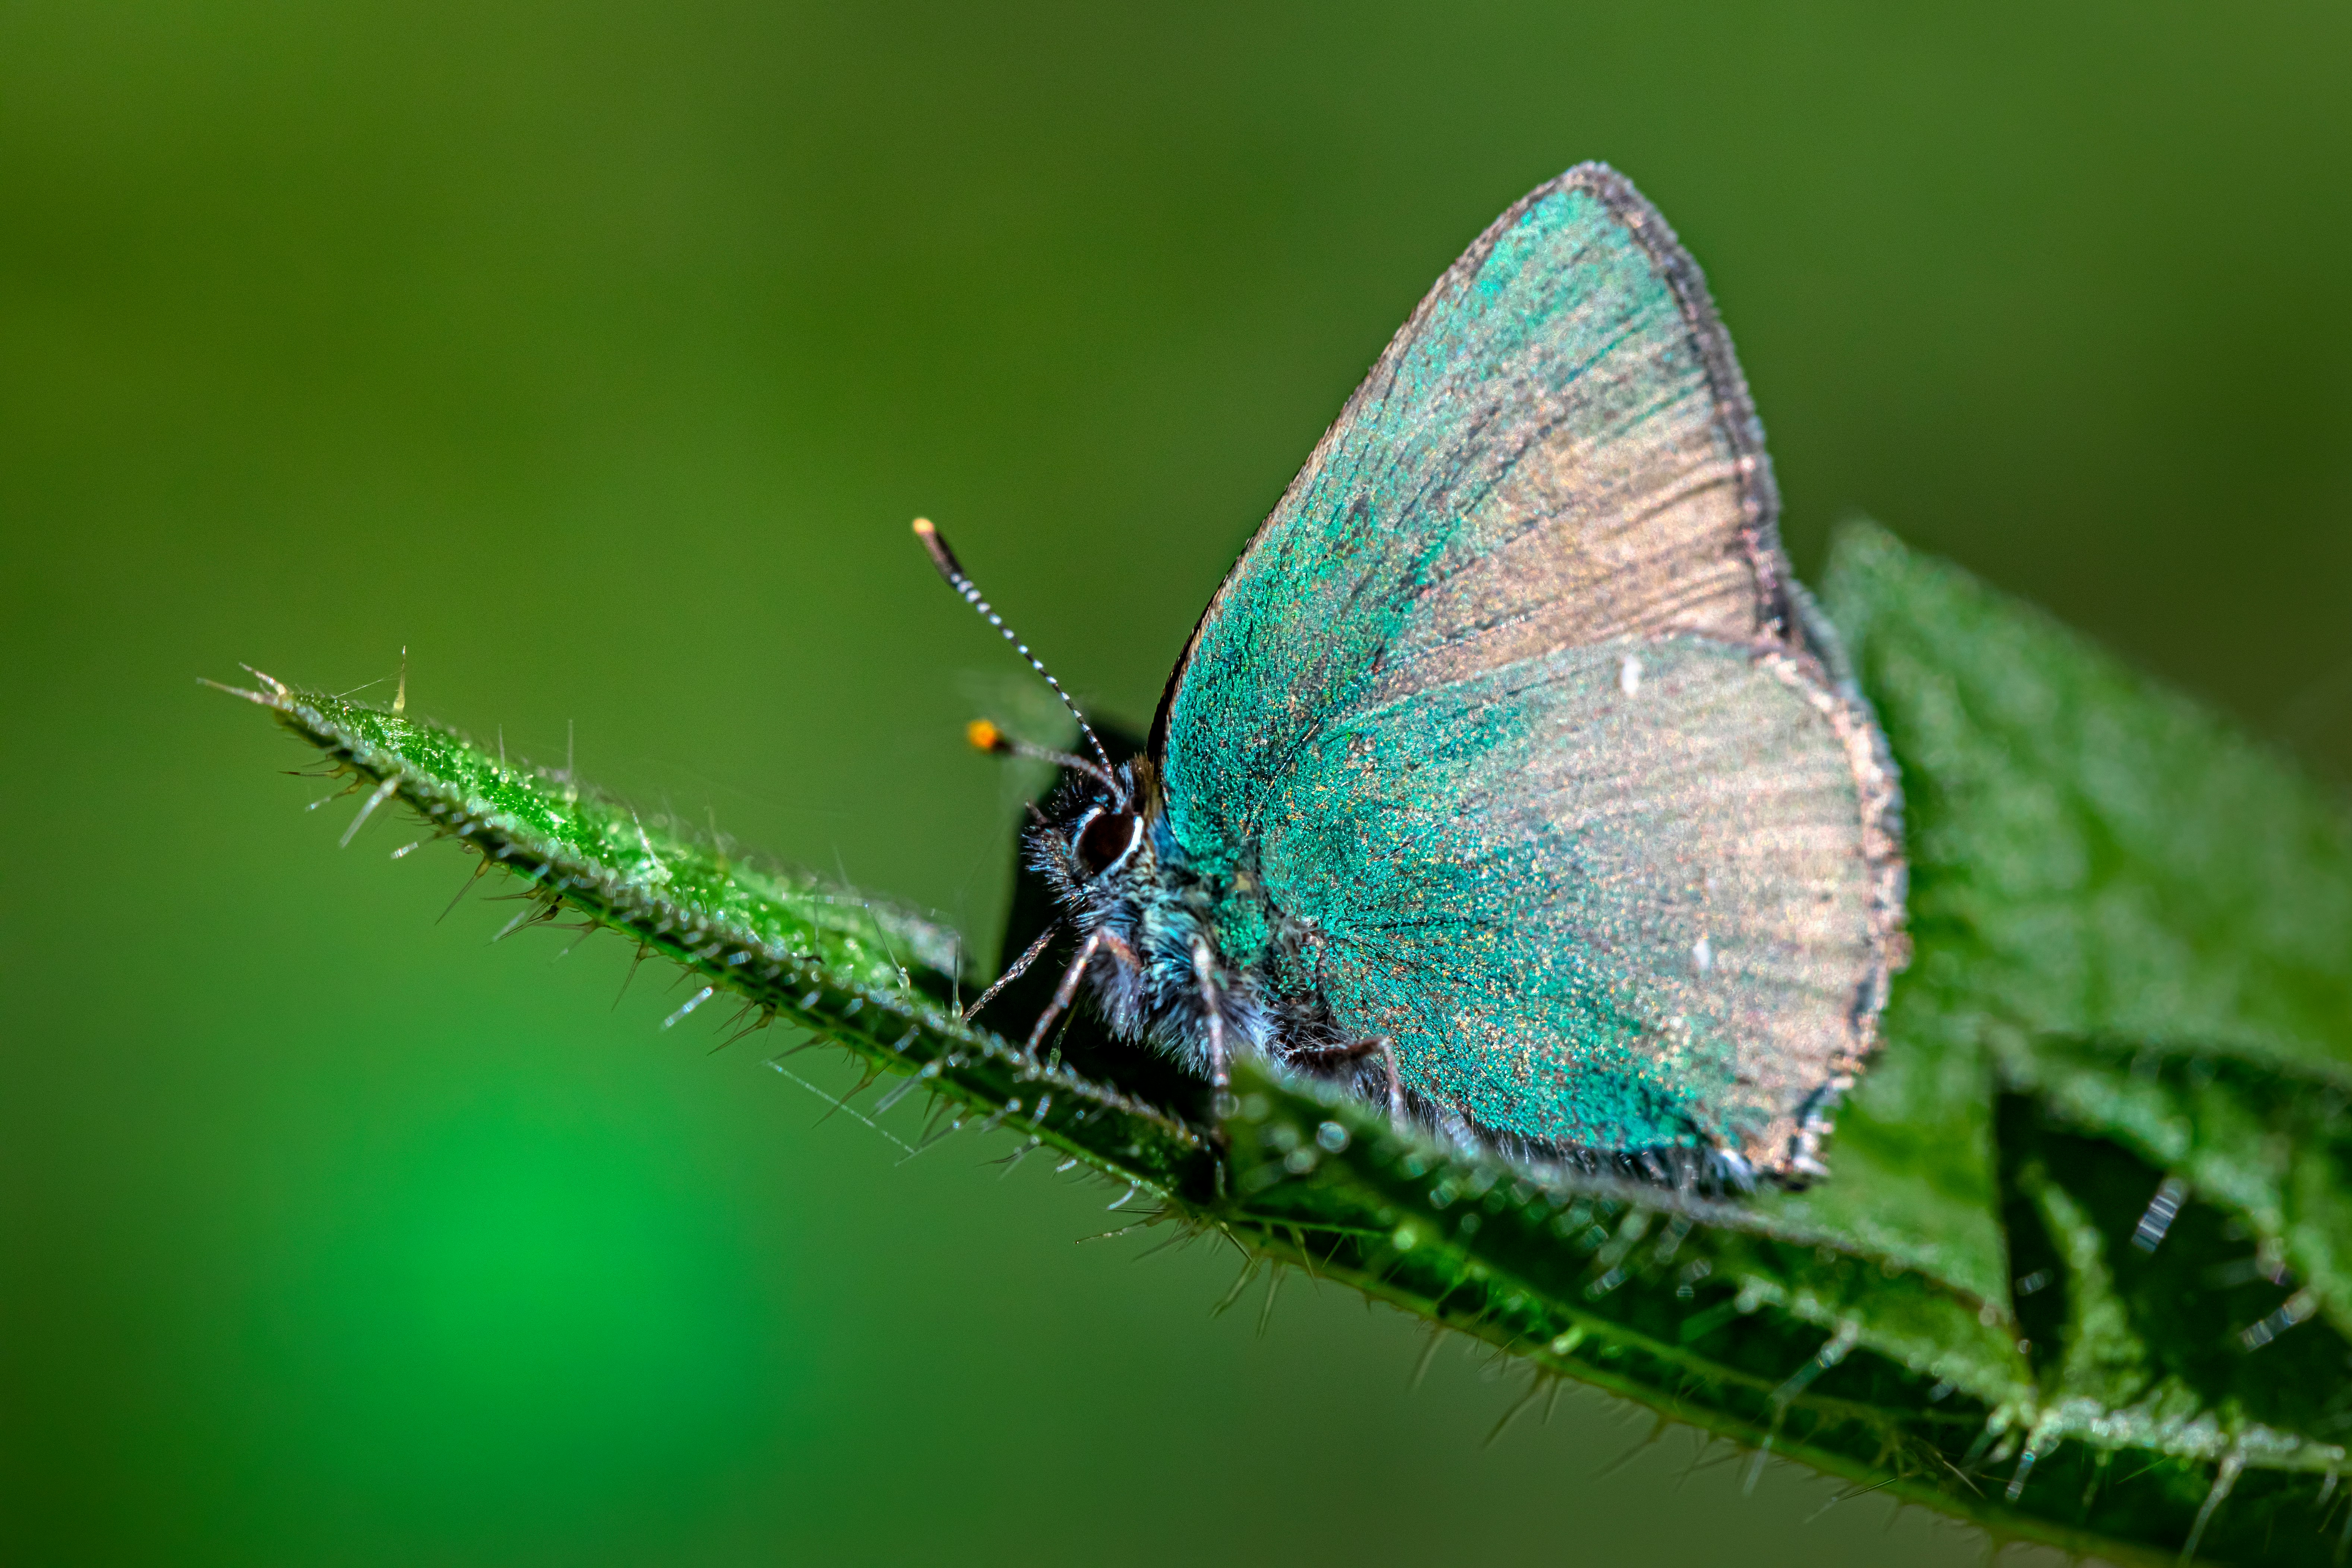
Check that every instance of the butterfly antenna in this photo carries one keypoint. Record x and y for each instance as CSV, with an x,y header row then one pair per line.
x,y
953,570
986,737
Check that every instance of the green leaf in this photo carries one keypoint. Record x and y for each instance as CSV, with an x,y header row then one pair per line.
x,y
2082,1273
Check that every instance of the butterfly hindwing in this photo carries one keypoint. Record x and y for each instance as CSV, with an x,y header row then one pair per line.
x,y
1509,716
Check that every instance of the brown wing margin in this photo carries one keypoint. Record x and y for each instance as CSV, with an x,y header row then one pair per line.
x,y
1735,410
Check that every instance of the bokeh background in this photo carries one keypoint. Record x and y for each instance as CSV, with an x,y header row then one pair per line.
x,y
598,354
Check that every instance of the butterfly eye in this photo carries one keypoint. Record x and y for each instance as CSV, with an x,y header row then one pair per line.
x,y
1108,838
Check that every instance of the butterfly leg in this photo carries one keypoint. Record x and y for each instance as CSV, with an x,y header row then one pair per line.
x,y
1020,967
1102,939
1396,1083
1381,1045
1204,971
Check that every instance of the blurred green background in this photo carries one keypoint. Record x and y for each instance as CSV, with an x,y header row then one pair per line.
x,y
599,354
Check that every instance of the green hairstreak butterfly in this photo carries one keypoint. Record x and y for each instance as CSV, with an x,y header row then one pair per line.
x,y
1511,776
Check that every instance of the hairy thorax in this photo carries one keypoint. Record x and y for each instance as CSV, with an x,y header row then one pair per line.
x,y
1180,943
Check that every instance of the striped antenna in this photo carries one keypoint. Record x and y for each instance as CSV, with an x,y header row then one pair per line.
x,y
949,568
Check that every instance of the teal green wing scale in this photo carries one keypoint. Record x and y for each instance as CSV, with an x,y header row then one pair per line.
x,y
1510,740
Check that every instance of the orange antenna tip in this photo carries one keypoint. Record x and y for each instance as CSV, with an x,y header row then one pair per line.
x,y
986,737
944,559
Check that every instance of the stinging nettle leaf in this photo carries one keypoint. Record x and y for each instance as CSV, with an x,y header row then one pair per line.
x,y
2082,1270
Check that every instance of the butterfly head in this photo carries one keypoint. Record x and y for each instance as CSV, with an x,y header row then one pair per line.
x,y
1093,839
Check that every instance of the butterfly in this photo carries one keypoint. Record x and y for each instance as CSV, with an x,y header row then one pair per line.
x,y
1510,777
